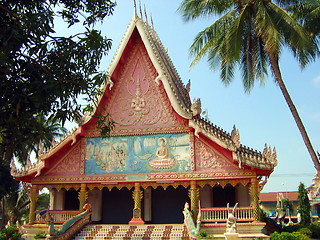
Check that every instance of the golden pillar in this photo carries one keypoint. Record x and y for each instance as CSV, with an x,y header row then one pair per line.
x,y
137,196
34,194
194,198
255,198
82,196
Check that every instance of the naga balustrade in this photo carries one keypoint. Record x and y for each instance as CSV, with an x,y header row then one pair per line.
x,y
59,216
215,215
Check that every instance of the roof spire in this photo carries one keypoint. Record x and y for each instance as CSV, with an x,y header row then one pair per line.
x,y
140,9
145,14
135,8
151,20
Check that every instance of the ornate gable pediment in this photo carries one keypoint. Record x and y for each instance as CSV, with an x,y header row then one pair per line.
x,y
207,158
70,164
137,102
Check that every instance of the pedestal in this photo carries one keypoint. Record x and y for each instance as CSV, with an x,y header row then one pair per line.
x,y
231,236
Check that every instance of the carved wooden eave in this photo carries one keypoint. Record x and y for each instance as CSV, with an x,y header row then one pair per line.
x,y
267,160
33,169
167,73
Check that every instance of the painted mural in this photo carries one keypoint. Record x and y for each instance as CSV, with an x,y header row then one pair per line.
x,y
138,154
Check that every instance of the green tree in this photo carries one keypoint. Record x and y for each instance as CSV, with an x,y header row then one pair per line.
x,y
304,207
43,201
251,34
42,72
16,205
287,207
48,129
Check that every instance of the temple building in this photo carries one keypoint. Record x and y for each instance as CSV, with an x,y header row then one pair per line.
x,y
160,154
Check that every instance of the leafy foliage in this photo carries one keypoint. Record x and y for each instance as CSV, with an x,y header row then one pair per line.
x,y
16,205
315,229
304,207
307,12
42,73
305,231
203,235
8,184
288,236
287,205
40,235
11,233
247,34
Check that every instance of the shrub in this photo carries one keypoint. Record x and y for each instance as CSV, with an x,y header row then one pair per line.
x,y
40,235
300,236
203,235
315,229
284,236
305,231
293,228
12,233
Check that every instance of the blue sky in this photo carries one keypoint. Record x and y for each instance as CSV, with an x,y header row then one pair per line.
x,y
261,116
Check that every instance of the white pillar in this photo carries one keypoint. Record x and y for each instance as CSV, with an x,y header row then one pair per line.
x,y
95,199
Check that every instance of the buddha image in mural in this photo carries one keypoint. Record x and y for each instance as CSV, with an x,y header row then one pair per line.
x,y
163,160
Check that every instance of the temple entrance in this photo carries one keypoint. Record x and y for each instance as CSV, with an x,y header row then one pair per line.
x,y
71,200
223,196
117,206
167,205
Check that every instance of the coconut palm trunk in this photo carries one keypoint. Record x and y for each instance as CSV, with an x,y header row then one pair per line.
x,y
276,70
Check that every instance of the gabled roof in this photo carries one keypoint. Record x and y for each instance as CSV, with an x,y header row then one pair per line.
x,y
167,73
179,98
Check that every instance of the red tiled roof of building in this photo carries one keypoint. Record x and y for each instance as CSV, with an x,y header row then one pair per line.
x,y
272,196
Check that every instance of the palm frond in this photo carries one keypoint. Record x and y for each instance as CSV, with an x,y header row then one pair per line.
x,y
211,38
266,28
301,42
192,9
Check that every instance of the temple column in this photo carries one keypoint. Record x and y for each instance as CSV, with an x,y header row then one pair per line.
x,y
52,193
255,198
34,194
194,194
137,196
83,196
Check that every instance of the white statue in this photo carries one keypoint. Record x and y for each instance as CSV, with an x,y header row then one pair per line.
x,y
231,220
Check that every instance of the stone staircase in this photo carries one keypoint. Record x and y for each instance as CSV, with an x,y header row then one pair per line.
x,y
133,232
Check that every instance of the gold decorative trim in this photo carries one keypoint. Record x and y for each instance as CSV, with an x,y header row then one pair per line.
x,y
151,177
82,154
192,152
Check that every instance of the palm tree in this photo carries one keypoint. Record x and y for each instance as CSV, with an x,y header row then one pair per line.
x,y
45,130
16,205
251,34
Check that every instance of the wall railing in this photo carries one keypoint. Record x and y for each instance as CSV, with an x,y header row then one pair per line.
x,y
59,216
216,215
